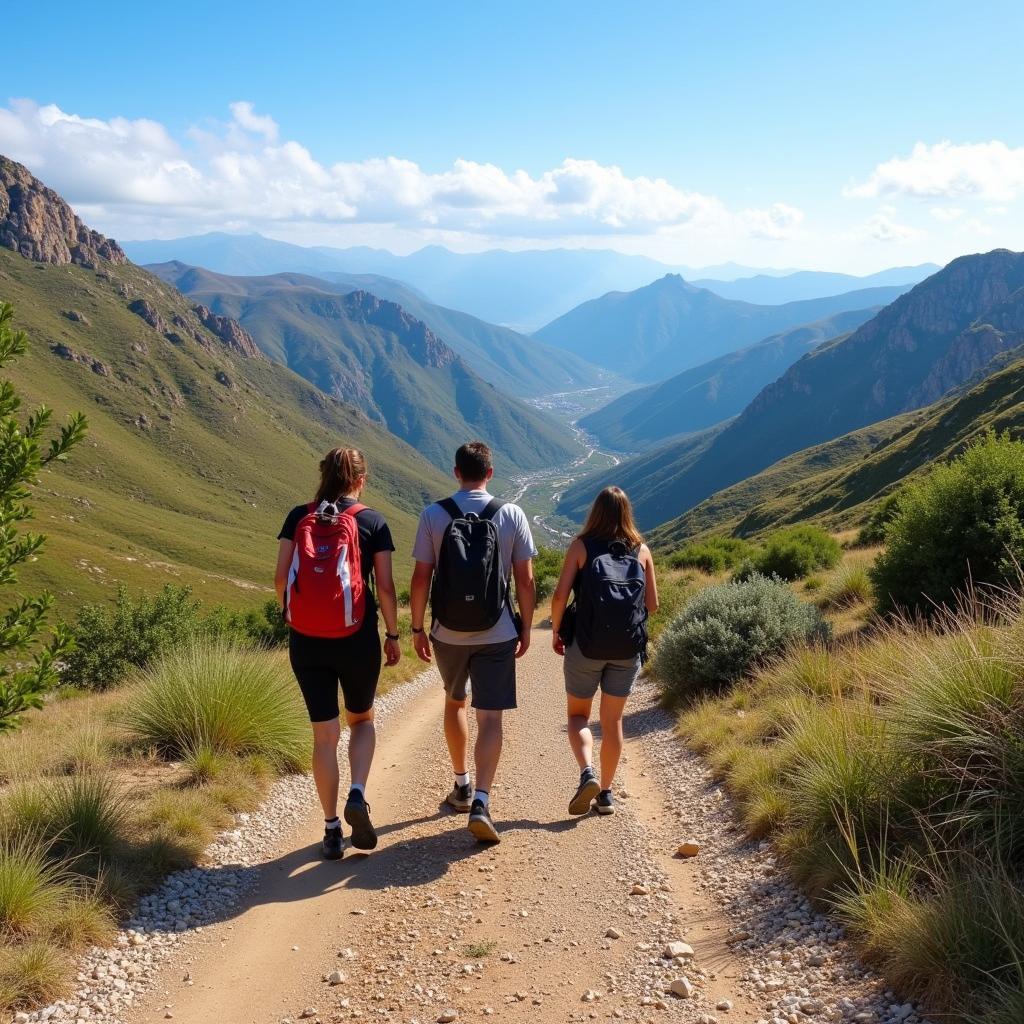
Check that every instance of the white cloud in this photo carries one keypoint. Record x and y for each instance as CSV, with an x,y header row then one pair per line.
x,y
240,172
883,228
946,214
987,170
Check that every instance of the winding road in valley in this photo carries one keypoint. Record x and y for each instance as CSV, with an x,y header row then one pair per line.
x,y
567,919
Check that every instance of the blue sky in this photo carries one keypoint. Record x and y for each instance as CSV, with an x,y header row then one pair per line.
x,y
776,134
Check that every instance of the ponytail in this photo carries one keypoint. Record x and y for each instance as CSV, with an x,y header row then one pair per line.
x,y
340,471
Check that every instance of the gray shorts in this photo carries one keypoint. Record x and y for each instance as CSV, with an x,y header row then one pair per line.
x,y
490,669
584,675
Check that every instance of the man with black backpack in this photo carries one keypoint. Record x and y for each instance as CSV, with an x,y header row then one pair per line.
x,y
468,550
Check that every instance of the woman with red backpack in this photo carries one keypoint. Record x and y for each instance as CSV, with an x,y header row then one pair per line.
x,y
602,635
330,550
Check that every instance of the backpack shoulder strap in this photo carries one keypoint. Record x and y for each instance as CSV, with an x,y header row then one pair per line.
x,y
491,508
449,505
354,510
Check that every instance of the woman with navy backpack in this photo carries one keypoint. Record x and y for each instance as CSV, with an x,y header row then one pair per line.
x,y
602,635
330,551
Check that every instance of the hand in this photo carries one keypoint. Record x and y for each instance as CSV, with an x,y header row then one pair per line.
x,y
524,642
421,644
557,644
392,653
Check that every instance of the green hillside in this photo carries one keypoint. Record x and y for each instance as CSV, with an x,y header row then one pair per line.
x,y
670,326
194,453
516,364
375,354
712,392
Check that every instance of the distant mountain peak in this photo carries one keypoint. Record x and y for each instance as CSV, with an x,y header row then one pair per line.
x,y
37,223
419,340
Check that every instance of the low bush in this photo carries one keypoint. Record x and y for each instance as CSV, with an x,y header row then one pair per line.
x,y
114,640
713,555
962,524
545,586
726,631
849,585
792,553
31,887
225,698
883,513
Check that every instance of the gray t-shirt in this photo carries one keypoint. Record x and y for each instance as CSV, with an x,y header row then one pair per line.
x,y
516,544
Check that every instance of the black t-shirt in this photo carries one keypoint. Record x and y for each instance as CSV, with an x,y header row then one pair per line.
x,y
374,532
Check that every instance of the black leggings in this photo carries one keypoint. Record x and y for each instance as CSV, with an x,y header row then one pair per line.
x,y
320,666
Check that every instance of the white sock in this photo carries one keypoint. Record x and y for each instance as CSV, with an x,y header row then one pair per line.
x,y
482,795
462,780
334,822
359,786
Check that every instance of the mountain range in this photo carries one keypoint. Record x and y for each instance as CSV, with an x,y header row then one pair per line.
x,y
950,329
197,444
715,391
373,354
513,362
520,289
670,325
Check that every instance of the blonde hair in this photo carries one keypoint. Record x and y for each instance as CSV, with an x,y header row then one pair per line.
x,y
341,469
611,518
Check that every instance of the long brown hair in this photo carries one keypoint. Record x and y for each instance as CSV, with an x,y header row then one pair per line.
x,y
340,471
611,518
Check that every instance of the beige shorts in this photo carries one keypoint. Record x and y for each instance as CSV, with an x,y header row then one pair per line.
x,y
584,675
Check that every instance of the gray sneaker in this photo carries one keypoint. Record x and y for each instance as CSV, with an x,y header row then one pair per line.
x,y
480,823
604,803
460,798
588,789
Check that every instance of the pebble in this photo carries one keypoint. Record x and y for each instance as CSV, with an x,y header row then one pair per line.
x,y
678,951
447,1016
681,987
638,890
613,933
688,849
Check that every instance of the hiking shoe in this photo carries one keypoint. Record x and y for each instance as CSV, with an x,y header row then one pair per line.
x,y
604,803
589,787
480,823
460,798
357,814
333,846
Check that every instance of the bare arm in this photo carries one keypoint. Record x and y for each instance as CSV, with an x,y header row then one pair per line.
x,y
526,597
651,592
386,593
560,598
285,548
419,590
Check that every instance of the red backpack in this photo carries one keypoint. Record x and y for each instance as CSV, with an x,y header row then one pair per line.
x,y
326,594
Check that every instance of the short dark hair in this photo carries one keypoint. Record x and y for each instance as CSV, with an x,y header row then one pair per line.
x,y
473,460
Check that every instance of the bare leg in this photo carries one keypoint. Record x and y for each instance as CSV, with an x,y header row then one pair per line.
x,y
456,733
581,739
611,737
325,764
362,741
488,747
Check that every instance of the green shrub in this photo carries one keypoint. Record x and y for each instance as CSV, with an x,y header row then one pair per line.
x,y
545,586
792,554
85,815
548,562
31,888
713,555
849,585
225,698
726,631
963,523
32,972
881,514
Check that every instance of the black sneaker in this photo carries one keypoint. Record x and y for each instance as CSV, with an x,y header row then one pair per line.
x,y
480,823
460,798
604,803
333,846
357,814
589,787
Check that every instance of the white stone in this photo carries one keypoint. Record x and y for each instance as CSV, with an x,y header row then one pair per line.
x,y
681,987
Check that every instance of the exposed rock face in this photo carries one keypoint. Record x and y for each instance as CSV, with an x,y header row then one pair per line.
x,y
75,316
63,351
37,223
419,340
231,332
142,308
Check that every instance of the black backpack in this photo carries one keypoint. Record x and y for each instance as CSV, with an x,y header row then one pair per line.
x,y
470,590
610,605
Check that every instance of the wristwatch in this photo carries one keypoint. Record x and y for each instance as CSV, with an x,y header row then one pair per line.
x,y
415,630
392,636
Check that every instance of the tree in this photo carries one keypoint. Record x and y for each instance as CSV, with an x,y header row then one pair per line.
x,y
29,653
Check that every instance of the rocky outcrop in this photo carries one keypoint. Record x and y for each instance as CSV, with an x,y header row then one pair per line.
x,y
38,224
75,316
231,332
417,338
63,351
145,309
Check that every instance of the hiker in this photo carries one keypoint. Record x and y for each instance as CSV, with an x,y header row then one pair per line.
x,y
470,545
602,635
330,552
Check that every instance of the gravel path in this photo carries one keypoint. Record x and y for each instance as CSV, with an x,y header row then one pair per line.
x,y
564,920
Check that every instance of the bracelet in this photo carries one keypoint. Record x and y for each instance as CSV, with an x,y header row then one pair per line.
x,y
415,630
392,636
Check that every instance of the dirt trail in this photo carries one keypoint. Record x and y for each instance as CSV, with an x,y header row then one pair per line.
x,y
432,921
